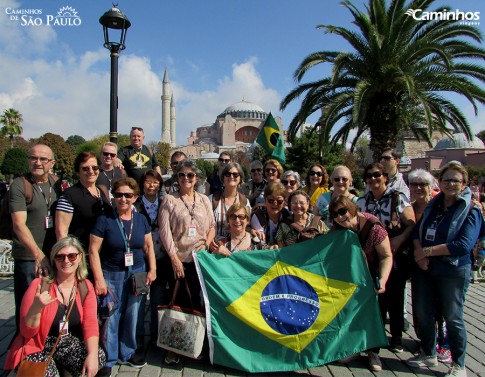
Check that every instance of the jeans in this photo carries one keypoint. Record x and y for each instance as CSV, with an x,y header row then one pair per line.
x,y
23,275
449,287
118,335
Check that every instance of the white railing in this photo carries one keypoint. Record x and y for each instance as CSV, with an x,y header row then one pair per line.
x,y
6,260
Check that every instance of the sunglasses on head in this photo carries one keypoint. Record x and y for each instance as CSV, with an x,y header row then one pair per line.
x,y
186,175
317,173
61,257
376,174
287,182
338,179
87,168
127,195
257,170
273,201
107,154
418,184
340,212
233,216
225,160
137,128
232,174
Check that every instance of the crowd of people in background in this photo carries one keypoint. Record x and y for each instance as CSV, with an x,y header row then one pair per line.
x,y
121,217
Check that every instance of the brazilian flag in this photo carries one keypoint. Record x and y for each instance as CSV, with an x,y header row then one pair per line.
x,y
271,140
292,308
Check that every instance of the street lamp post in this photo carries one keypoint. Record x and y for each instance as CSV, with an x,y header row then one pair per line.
x,y
114,19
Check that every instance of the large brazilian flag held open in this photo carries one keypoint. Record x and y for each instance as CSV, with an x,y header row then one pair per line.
x,y
291,308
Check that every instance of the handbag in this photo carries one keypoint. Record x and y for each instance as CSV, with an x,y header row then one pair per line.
x,y
28,368
181,330
139,284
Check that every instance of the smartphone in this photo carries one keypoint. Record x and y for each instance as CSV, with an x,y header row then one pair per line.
x,y
377,282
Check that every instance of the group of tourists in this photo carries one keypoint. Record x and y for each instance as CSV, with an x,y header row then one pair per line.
x,y
77,250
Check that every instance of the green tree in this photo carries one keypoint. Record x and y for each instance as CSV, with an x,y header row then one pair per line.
x,y
75,141
162,153
15,162
206,167
64,166
396,77
260,154
123,140
11,120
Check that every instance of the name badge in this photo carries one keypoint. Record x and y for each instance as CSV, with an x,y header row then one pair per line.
x,y
128,259
430,234
64,331
139,164
49,222
192,231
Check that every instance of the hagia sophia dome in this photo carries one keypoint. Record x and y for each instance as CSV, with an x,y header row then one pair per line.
x,y
244,109
459,141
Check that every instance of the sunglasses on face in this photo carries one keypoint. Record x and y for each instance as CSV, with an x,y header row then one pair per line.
x,y
317,173
257,170
174,163
186,175
376,174
234,217
418,184
87,168
225,160
287,182
127,195
340,212
273,201
43,160
107,154
61,257
270,170
338,179
232,174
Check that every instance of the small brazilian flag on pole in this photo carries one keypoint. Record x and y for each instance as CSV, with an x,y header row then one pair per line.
x,y
291,308
271,140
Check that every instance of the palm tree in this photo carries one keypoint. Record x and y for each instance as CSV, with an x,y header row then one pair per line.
x,y
11,120
396,77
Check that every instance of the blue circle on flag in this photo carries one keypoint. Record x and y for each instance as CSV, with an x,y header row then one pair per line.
x,y
289,305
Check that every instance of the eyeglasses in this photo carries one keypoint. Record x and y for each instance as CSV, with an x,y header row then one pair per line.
x,y
43,160
232,174
234,217
270,170
224,160
452,181
340,212
376,174
387,158
287,182
61,257
273,201
338,179
317,173
107,154
257,170
87,168
137,128
186,175
127,195
418,184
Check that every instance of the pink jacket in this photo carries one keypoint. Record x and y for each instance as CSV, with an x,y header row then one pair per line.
x,y
34,337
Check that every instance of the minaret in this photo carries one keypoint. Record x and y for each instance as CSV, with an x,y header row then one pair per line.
x,y
172,121
166,109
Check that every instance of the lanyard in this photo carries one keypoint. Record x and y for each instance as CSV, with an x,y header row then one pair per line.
x,y
223,208
240,241
47,201
126,237
112,176
191,212
66,304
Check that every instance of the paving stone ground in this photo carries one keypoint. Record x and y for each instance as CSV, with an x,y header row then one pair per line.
x,y
393,364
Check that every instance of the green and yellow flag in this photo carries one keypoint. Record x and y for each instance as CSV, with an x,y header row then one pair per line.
x,y
271,140
292,308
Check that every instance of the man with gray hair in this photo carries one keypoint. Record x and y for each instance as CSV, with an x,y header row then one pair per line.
x,y
254,187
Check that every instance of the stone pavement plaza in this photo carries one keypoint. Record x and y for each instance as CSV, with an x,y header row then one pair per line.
x,y
393,364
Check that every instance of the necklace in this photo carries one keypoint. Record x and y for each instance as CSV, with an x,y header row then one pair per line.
x,y
240,241
191,212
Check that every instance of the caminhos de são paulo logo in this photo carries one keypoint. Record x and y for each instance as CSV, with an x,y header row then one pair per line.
x,y
445,15
66,16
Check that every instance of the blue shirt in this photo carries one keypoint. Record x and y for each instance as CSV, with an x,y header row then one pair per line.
x,y
112,253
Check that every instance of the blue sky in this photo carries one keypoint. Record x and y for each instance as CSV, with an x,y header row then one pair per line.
x,y
216,52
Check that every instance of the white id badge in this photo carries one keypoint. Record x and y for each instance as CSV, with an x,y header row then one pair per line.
x,y
128,259
192,231
64,331
430,234
49,222
138,164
